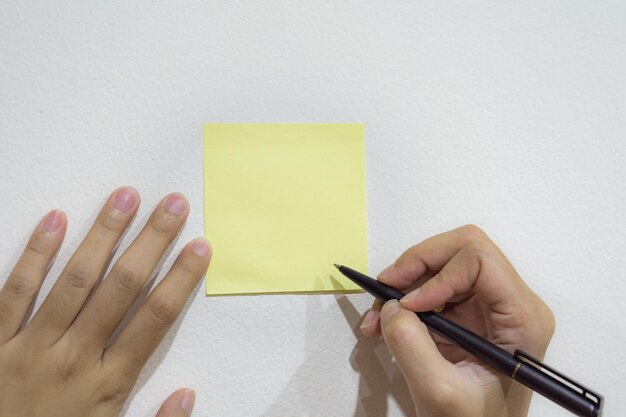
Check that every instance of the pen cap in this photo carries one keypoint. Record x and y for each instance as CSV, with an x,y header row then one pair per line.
x,y
557,387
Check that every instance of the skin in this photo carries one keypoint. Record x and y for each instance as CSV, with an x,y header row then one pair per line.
x,y
62,363
464,270
59,364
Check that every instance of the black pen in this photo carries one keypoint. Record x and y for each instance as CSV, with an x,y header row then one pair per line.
x,y
520,366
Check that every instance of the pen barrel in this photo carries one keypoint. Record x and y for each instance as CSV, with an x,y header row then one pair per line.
x,y
519,366
482,349
556,391
525,373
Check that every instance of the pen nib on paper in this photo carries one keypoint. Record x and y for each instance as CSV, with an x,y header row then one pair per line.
x,y
337,266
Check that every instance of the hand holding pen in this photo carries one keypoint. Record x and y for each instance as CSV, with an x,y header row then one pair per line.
x,y
465,271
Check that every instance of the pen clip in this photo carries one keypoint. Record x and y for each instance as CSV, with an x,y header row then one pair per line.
x,y
581,389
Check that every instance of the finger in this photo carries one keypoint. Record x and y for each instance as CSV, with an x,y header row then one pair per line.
x,y
478,269
370,326
430,255
420,362
123,284
142,335
68,294
178,404
22,286
515,316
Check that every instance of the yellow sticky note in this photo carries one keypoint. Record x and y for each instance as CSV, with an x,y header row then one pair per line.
x,y
283,202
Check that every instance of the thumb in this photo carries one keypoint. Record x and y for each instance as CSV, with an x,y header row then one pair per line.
x,y
418,358
178,404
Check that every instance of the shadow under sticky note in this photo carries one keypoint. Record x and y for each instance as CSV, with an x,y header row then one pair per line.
x,y
283,202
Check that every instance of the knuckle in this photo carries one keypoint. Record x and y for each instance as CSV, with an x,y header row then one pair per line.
x,y
20,286
192,267
80,275
399,331
163,311
475,254
69,371
475,250
116,389
70,364
111,223
39,247
128,278
164,224
471,232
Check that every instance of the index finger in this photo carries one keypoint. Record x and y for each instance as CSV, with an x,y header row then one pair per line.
x,y
430,256
418,264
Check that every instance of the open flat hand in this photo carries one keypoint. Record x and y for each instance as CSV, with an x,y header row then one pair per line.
x,y
58,364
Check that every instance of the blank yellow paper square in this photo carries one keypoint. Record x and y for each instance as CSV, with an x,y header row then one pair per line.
x,y
283,202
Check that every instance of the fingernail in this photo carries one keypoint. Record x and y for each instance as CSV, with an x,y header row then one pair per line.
x,y
387,270
408,298
370,318
176,204
201,248
52,221
125,199
390,308
188,400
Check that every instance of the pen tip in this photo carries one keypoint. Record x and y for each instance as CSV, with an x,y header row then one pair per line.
x,y
337,266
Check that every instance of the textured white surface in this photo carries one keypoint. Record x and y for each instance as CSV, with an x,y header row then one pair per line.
x,y
510,115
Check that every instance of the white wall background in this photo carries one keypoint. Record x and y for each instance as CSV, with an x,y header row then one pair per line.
x,y
511,115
